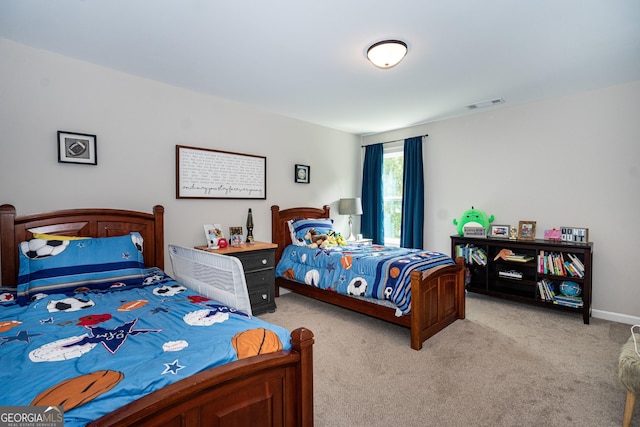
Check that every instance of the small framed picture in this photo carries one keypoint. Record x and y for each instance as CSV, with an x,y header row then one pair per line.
x,y
77,148
526,230
302,174
235,234
213,234
500,231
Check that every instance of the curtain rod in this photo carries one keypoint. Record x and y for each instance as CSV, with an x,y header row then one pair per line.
x,y
389,142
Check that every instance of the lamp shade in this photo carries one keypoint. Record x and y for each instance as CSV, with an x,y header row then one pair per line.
x,y
387,53
350,206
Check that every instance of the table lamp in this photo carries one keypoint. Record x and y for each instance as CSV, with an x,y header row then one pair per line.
x,y
350,207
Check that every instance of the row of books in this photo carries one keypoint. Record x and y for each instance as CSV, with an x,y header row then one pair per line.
x,y
555,263
472,254
547,291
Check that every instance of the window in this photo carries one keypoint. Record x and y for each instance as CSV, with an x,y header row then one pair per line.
x,y
392,173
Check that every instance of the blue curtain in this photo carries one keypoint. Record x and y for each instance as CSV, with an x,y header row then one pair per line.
x,y
411,231
372,220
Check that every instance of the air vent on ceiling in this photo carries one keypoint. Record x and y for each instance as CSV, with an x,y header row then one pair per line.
x,y
483,104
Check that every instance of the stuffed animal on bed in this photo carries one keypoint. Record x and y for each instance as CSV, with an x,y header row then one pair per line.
x,y
336,239
317,240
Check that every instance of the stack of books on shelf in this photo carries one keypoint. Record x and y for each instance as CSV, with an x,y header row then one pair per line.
x,y
575,302
519,258
547,291
472,254
555,263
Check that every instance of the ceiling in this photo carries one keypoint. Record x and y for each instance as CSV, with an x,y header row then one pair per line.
x,y
306,59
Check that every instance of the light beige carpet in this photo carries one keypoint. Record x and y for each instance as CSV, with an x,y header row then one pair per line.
x,y
506,364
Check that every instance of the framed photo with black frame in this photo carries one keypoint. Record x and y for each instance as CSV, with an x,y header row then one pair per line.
x,y
77,148
302,174
204,173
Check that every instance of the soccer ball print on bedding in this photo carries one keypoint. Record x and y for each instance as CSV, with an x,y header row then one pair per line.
x,y
40,248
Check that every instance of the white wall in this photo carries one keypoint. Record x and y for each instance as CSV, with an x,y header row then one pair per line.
x,y
570,161
138,123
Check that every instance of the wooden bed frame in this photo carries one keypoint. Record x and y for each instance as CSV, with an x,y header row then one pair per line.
x,y
437,295
274,389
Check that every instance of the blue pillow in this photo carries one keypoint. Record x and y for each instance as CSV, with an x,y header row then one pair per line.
x,y
66,266
300,226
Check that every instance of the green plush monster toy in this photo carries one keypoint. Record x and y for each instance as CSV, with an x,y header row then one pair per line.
x,y
473,217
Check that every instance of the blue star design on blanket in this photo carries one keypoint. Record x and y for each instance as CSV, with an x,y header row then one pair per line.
x,y
112,339
20,336
172,367
331,267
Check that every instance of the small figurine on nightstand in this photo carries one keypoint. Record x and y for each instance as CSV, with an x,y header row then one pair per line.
x,y
250,228
513,233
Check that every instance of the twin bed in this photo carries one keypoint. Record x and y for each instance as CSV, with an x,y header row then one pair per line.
x,y
102,350
435,296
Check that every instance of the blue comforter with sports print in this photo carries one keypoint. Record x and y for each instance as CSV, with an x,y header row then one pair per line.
x,y
93,352
373,271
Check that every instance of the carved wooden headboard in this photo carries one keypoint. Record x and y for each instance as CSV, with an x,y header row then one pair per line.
x,y
280,229
78,222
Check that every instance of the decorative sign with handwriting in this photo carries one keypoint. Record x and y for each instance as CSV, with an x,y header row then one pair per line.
x,y
202,173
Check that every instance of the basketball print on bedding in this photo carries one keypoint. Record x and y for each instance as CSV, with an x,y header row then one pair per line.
x,y
255,342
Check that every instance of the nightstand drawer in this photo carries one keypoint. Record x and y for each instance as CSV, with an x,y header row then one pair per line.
x,y
260,277
257,260
261,299
260,286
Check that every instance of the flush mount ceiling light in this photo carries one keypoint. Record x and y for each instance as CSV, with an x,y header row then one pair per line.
x,y
387,53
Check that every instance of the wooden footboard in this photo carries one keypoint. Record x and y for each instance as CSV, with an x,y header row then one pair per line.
x,y
269,390
437,300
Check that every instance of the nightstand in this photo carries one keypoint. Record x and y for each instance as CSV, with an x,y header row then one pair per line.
x,y
258,262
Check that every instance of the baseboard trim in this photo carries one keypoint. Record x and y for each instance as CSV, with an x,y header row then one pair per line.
x,y
615,317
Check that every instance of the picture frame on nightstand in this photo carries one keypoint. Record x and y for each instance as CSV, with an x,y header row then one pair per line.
x,y
235,236
213,234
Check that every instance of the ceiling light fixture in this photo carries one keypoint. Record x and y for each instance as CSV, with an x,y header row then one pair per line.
x,y
387,53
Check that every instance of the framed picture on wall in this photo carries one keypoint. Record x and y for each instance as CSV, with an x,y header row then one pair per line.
x,y
77,148
302,174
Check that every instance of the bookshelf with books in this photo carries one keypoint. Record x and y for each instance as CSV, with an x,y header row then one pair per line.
x,y
551,274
